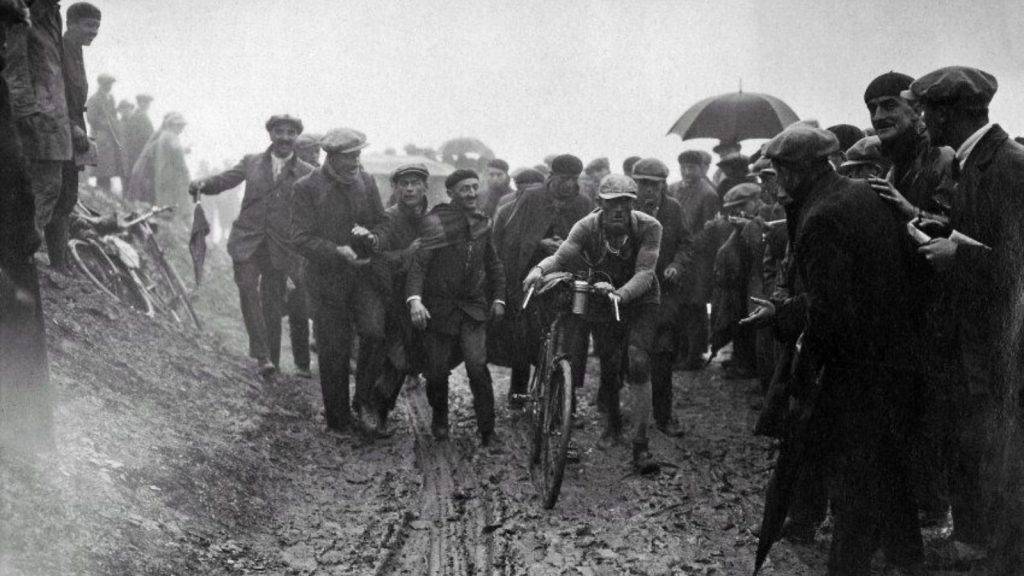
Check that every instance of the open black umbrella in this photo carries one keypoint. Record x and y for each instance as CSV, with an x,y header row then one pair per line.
x,y
734,117
197,240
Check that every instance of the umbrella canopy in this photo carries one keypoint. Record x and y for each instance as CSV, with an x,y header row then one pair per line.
x,y
734,117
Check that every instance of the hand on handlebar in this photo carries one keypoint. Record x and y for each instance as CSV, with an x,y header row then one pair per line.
x,y
761,316
533,278
604,288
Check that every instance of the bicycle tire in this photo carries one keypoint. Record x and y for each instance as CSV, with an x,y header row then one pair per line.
x,y
173,283
162,301
135,294
556,431
96,265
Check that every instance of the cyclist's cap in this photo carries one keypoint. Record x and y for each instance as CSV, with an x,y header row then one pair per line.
x,y
650,169
416,169
617,186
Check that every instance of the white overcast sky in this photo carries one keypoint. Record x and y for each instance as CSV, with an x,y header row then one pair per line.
x,y
531,77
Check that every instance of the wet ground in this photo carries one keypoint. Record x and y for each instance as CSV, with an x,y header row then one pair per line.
x,y
173,458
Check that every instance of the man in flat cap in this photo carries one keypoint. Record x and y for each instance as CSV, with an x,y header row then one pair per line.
x,y
497,186
137,131
101,111
337,224
404,219
537,224
700,204
621,244
859,348
307,146
456,283
259,243
33,73
673,260
734,168
864,160
984,277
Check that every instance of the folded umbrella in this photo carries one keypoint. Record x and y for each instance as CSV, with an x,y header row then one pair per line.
x,y
197,240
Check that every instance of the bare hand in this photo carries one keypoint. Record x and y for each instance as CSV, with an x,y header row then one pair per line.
x,y
351,257
671,274
886,191
533,277
360,232
761,316
941,252
497,311
604,288
419,314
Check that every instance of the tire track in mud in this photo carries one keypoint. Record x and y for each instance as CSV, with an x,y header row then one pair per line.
x,y
452,533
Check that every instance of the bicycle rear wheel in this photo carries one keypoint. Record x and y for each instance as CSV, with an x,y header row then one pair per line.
x,y
554,432
174,296
97,266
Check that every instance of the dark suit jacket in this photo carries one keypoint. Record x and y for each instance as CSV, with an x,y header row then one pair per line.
x,y
675,245
989,207
854,258
324,211
265,218
700,204
458,280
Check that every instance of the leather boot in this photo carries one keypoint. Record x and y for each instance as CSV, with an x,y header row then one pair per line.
x,y
643,462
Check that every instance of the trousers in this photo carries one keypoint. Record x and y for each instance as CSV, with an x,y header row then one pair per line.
x,y
443,352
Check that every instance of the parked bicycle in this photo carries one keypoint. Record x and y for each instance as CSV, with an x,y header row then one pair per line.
x,y
551,395
148,284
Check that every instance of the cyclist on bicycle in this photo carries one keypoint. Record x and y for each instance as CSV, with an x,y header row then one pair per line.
x,y
620,246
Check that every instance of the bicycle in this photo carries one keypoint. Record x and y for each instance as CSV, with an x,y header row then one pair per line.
x,y
551,396
149,285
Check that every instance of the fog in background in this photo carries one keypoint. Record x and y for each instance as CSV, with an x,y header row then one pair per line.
x,y
530,78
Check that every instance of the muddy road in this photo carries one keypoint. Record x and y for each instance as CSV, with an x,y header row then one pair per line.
x,y
173,458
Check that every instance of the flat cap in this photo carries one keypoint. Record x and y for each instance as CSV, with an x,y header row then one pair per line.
x,y
284,119
523,177
734,158
566,165
888,84
459,175
172,118
800,144
694,157
958,86
650,169
125,105
741,193
105,79
415,169
307,140
867,150
847,134
763,164
617,186
499,164
597,164
143,98
343,141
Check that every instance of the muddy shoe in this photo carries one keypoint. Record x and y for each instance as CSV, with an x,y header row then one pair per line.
x,y
492,442
798,532
439,428
643,462
339,423
303,373
266,367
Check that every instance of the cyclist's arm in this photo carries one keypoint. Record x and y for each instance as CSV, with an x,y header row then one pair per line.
x,y
646,265
569,250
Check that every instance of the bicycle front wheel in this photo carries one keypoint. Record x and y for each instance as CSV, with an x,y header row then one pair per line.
x,y
97,266
555,431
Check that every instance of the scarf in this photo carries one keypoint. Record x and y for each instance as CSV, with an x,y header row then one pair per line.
x,y
447,225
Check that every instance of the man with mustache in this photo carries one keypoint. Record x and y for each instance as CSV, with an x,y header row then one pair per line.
x,y
622,245
337,222
455,284
259,243
674,257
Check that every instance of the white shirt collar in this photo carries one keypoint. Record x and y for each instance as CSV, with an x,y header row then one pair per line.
x,y
277,164
964,152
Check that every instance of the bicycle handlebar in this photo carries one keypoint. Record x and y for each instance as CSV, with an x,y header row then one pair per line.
x,y
568,278
147,215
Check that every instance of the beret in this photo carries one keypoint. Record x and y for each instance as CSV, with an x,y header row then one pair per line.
x,y
598,164
566,165
525,176
284,119
458,176
866,150
343,141
499,164
957,86
650,169
740,193
801,143
143,98
888,84
847,134
416,169
616,186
